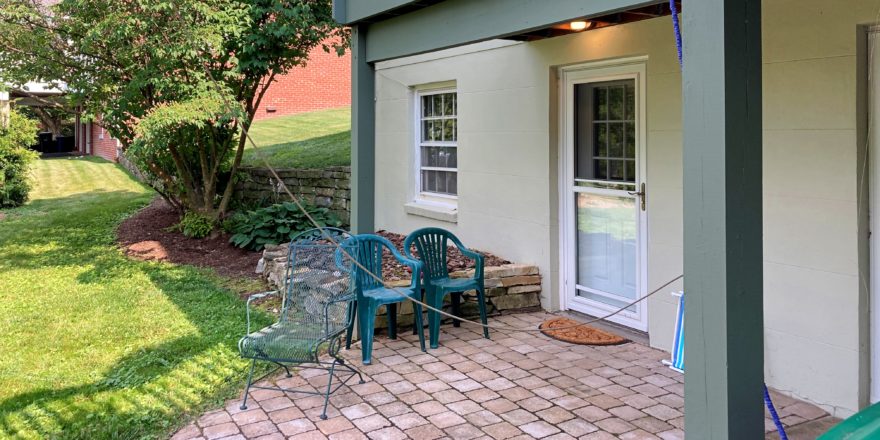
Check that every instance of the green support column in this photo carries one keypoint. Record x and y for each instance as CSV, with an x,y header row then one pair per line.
x,y
724,333
363,134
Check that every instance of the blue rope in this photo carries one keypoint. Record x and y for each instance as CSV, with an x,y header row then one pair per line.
x,y
773,414
677,27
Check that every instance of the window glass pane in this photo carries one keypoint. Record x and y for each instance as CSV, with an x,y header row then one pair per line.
x,y
615,103
427,130
449,104
630,105
451,184
616,169
427,106
630,171
601,169
438,105
600,97
444,157
600,131
448,130
630,141
427,183
615,139
440,179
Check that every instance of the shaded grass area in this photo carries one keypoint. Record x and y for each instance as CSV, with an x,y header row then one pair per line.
x,y
308,140
96,345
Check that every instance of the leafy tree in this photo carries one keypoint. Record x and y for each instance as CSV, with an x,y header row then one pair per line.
x,y
137,60
16,159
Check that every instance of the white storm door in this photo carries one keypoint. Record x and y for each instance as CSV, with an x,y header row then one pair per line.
x,y
604,192
874,204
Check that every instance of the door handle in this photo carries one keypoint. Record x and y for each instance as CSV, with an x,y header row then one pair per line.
x,y
641,194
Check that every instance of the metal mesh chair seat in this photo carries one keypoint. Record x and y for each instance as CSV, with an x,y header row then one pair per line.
x,y
318,293
285,342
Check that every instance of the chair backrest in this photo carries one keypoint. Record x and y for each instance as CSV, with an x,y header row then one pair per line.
x,y
318,284
310,237
431,245
368,250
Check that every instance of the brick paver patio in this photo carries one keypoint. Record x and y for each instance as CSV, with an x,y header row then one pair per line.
x,y
516,386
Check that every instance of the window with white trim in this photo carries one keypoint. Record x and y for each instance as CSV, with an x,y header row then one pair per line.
x,y
437,149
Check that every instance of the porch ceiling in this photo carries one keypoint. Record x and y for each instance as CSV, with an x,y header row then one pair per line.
x,y
453,23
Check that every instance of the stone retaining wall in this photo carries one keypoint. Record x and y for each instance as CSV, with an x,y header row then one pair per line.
x,y
329,188
508,287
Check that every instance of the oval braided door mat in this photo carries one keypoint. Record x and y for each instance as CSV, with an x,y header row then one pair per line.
x,y
582,335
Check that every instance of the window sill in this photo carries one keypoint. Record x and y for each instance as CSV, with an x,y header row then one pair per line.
x,y
443,213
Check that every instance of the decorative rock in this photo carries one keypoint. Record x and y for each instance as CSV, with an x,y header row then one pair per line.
x,y
520,280
524,289
508,302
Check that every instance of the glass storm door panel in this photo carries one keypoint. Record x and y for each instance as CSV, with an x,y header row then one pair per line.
x,y
607,198
606,248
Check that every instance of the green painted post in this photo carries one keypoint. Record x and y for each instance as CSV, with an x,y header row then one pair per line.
x,y
363,138
722,220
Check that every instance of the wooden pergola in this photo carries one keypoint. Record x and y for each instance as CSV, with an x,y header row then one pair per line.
x,y
722,165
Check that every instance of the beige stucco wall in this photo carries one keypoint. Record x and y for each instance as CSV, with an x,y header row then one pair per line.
x,y
508,182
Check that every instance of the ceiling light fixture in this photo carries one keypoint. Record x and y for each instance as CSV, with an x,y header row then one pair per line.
x,y
579,25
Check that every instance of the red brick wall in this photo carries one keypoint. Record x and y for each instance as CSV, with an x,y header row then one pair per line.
x,y
325,82
105,147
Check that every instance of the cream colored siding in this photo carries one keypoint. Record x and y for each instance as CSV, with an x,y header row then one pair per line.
x,y
508,184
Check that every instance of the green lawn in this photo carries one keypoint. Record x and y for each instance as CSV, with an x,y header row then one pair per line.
x,y
95,345
308,140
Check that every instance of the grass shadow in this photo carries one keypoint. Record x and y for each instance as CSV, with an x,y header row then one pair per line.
x,y
317,152
163,337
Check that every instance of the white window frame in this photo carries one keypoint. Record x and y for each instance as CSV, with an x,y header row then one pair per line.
x,y
426,197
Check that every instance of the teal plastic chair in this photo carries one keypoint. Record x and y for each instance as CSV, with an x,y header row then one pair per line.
x,y
431,244
370,293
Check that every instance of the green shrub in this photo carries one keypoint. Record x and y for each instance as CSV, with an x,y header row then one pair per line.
x,y
195,225
277,224
16,159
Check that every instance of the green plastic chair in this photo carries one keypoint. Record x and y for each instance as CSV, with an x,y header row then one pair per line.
x,y
431,245
371,294
864,425
315,312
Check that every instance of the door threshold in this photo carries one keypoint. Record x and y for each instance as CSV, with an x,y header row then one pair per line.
x,y
634,335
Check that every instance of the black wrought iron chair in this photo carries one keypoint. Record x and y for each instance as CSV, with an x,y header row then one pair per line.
x,y
315,312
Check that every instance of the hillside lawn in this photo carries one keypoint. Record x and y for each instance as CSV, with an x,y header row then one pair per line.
x,y
308,140
96,345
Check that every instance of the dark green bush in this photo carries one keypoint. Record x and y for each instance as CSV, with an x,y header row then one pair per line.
x,y
276,224
16,159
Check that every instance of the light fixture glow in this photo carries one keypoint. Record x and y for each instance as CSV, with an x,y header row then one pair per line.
x,y
579,25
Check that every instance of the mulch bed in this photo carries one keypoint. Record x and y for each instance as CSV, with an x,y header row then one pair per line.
x,y
144,236
582,334
394,271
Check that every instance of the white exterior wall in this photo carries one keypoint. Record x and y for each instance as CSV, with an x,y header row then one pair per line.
x,y
508,187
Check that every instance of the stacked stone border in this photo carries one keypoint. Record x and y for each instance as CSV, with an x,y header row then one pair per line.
x,y
327,188
508,287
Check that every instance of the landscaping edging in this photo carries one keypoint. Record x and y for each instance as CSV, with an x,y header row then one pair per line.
x,y
508,287
328,188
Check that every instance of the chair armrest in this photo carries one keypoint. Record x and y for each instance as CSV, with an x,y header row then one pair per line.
x,y
248,305
476,256
414,265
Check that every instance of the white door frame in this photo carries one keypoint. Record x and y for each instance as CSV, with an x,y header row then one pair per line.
x,y
628,68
